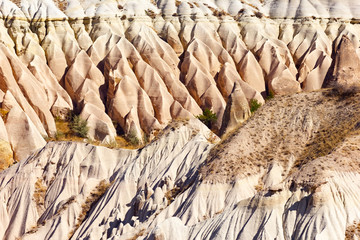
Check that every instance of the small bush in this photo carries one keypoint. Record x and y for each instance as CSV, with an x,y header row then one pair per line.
x,y
269,96
208,117
59,135
254,105
133,139
79,126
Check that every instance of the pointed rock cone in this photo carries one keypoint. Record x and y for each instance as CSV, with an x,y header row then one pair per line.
x,y
23,135
347,67
237,110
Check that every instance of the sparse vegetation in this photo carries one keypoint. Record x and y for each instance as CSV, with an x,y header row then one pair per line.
x,y
133,139
171,195
254,105
208,117
6,155
150,13
295,131
353,231
90,201
39,193
259,187
270,96
212,138
345,91
137,235
259,14
39,197
64,133
65,205
79,126
59,135
3,113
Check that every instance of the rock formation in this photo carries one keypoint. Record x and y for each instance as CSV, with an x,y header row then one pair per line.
x,y
347,67
290,175
237,110
143,65
78,53
146,69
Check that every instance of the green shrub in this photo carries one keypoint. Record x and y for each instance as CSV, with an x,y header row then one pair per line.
x,y
208,117
133,139
79,126
270,96
254,105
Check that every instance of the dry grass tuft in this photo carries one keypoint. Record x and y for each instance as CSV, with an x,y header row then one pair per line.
x,y
3,113
137,235
353,231
90,202
64,133
39,197
39,193
171,195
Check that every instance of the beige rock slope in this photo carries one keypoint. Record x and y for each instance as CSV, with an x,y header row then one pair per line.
x,y
44,204
296,178
290,171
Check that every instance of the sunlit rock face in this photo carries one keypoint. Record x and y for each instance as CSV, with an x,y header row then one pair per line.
x,y
291,171
134,67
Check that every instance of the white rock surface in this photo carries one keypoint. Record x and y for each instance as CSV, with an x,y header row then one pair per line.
x,y
163,192
181,56
144,64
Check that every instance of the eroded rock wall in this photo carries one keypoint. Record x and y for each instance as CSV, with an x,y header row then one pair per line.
x,y
141,64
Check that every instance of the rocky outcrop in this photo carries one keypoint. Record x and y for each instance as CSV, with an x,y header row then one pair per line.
x,y
347,67
290,171
44,198
237,110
